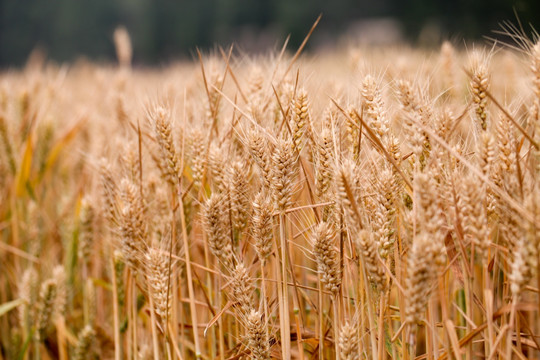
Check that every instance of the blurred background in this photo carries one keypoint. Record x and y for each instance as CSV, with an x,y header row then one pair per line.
x,y
163,30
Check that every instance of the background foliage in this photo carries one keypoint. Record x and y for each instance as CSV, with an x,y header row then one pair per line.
x,y
166,29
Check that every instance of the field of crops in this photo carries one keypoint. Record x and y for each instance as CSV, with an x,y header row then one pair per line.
x,y
366,204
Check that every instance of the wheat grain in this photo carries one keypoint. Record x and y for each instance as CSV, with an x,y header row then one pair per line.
x,y
160,118
327,257
216,228
84,343
283,172
479,83
46,307
257,335
348,344
160,274
262,226
241,290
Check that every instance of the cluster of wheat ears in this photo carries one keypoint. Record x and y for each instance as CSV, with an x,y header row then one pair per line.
x,y
372,203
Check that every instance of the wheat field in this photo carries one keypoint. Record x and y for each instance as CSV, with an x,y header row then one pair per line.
x,y
371,203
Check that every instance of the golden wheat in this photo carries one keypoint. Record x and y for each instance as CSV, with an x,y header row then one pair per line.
x,y
340,206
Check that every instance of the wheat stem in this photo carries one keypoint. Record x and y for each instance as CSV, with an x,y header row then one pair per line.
x,y
116,315
321,320
285,322
189,279
380,327
153,322
336,327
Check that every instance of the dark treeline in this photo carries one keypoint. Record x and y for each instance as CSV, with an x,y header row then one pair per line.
x,y
165,29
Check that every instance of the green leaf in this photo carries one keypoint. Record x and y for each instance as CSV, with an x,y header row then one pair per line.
x,y
102,283
24,349
388,344
7,307
26,165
